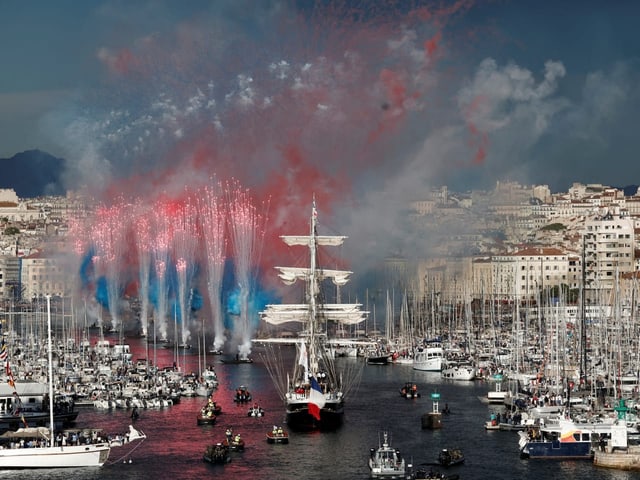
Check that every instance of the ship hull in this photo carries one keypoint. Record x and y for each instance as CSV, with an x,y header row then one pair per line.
x,y
299,418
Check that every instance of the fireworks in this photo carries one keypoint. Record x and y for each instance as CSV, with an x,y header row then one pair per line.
x,y
246,231
310,101
142,236
175,240
212,222
109,233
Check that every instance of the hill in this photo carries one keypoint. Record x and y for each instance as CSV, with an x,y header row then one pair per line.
x,y
32,173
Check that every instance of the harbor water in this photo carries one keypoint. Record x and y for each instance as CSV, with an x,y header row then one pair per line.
x,y
175,443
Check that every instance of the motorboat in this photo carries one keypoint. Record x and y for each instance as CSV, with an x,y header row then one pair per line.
x,y
233,441
409,390
255,411
277,435
387,462
209,412
429,357
242,394
450,456
217,453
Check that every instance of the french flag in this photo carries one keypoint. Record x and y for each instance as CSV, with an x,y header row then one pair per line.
x,y
316,399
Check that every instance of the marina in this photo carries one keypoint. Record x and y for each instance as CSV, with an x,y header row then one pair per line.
x,y
175,443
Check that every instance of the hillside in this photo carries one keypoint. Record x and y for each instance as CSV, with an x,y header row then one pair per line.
x,y
32,173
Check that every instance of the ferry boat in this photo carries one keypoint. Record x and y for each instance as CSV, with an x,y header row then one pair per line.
x,y
562,440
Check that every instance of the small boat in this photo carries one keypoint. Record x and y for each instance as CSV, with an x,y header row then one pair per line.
x,y
209,412
234,442
242,394
217,453
277,435
236,360
450,456
492,423
256,411
206,418
378,356
386,461
433,475
409,390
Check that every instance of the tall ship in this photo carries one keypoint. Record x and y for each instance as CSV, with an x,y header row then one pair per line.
x,y
314,391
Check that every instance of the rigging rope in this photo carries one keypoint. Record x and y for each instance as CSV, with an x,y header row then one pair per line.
x,y
128,453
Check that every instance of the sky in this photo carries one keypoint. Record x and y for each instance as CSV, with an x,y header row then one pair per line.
x,y
363,104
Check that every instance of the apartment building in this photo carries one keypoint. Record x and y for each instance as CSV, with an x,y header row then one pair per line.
x,y
9,277
609,245
44,275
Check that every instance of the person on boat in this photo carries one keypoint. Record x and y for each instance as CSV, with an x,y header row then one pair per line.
x,y
229,433
134,413
446,410
494,419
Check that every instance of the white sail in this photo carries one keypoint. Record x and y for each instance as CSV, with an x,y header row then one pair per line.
x,y
344,313
290,274
324,240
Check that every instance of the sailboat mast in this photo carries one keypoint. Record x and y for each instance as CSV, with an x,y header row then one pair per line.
x,y
583,319
313,290
50,357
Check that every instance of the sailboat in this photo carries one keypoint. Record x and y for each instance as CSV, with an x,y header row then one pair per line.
x,y
314,393
37,447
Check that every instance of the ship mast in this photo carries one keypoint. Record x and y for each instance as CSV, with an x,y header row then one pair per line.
x,y
313,288
51,424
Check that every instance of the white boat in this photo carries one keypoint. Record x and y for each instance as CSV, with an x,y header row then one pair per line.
x,y
386,461
314,392
428,358
458,370
39,448
32,448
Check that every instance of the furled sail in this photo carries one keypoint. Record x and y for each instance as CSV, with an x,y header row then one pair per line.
x,y
290,274
345,313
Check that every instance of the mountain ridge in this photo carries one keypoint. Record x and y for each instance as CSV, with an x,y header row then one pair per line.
x,y
32,173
